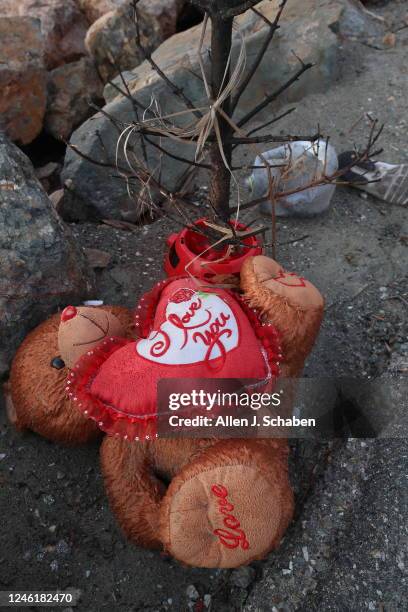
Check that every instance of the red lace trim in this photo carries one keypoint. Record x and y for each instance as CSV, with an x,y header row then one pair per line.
x,y
107,417
267,334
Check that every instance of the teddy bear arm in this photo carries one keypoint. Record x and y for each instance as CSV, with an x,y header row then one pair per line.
x,y
290,302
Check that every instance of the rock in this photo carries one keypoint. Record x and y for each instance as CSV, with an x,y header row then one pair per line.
x,y
71,88
62,24
41,268
71,207
242,577
164,11
49,176
22,78
112,40
306,29
94,9
97,258
62,548
44,172
192,593
355,22
55,198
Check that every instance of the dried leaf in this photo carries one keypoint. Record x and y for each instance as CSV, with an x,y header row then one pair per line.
x,y
97,258
389,39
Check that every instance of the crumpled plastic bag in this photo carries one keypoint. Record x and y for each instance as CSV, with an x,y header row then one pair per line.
x,y
302,161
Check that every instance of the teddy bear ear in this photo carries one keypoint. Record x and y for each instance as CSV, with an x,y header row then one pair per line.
x,y
82,328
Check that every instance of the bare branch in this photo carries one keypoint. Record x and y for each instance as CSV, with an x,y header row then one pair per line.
x,y
178,91
184,160
136,105
271,97
274,120
272,138
88,157
115,122
273,26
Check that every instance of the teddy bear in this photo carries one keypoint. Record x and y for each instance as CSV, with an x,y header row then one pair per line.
x,y
208,502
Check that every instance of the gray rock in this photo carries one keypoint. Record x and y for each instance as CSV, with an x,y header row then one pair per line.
x,y
306,29
358,23
192,592
71,88
40,266
91,189
242,577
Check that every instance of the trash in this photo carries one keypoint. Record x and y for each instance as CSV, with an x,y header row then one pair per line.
x,y
297,164
391,180
93,303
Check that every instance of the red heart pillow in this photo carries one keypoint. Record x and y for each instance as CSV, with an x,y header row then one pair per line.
x,y
186,333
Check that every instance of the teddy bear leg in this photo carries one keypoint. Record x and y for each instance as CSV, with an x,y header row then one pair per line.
x,y
136,477
230,505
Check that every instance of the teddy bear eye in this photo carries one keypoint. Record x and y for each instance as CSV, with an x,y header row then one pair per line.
x,y
57,363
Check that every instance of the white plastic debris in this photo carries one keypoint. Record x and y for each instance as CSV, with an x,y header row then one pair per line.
x,y
93,303
301,162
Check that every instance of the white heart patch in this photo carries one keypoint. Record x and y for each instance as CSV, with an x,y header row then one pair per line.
x,y
198,327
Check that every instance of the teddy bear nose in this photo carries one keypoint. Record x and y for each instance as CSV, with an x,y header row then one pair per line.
x,y
68,313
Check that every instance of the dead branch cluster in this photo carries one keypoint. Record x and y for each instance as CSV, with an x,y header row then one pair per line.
x,y
212,130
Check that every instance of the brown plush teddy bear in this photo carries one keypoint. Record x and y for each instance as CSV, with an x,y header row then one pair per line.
x,y
207,502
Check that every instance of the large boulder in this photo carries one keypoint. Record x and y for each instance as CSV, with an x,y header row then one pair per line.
x,y
63,26
41,268
113,36
71,88
22,78
94,9
164,11
311,30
